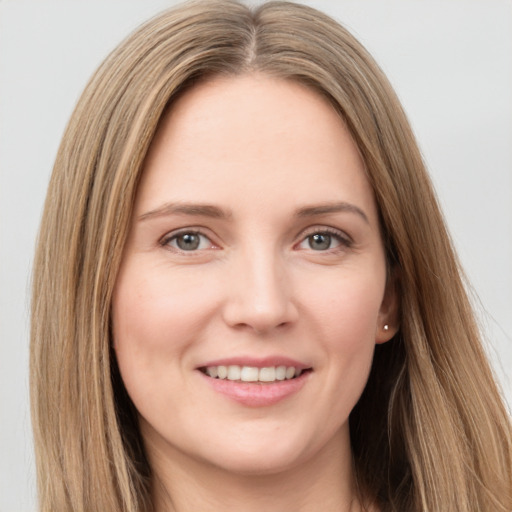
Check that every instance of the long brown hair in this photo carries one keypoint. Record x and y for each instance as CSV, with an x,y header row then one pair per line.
x,y
430,431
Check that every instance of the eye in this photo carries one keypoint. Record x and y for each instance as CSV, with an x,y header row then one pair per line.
x,y
324,240
319,242
188,241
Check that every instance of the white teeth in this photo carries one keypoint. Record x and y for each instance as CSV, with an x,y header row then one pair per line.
x,y
249,374
281,373
234,372
252,373
268,374
212,371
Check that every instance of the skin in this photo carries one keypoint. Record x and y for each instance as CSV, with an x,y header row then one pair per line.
x,y
258,149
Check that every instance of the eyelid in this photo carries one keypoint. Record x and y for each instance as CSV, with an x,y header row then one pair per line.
x,y
344,239
164,240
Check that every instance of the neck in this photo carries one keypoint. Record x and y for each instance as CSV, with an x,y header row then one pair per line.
x,y
324,482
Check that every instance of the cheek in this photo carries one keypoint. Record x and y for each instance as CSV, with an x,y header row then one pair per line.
x,y
347,306
345,318
152,304
155,321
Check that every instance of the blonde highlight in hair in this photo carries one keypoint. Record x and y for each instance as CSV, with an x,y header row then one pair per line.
x,y
430,432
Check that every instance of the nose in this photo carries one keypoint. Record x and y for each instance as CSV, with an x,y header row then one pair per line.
x,y
260,296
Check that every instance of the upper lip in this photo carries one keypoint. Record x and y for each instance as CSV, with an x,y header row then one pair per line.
x,y
257,362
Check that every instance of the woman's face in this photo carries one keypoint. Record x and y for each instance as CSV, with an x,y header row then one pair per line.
x,y
254,252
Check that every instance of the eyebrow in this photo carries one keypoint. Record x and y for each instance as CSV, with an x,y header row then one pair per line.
x,y
212,211
324,209
197,210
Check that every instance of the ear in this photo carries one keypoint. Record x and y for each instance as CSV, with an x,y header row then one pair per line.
x,y
387,322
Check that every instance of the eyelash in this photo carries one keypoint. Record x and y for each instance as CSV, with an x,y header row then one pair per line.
x,y
345,242
342,238
167,239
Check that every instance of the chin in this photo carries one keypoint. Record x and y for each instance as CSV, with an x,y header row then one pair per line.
x,y
254,464
267,453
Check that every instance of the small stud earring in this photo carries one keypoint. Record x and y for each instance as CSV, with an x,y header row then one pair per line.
x,y
386,328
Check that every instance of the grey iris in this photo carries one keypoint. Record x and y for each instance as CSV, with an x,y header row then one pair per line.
x,y
188,242
320,241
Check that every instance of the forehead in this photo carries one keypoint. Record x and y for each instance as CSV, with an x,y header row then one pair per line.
x,y
257,138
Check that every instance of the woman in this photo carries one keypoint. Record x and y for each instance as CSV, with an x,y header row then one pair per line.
x,y
251,235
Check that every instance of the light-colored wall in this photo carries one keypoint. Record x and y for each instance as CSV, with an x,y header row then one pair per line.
x,y
451,63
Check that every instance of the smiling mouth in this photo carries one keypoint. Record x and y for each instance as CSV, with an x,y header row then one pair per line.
x,y
267,374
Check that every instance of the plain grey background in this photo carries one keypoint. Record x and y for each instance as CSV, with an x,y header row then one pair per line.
x,y
450,62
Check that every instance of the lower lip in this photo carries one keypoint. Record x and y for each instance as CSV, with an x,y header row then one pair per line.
x,y
256,394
